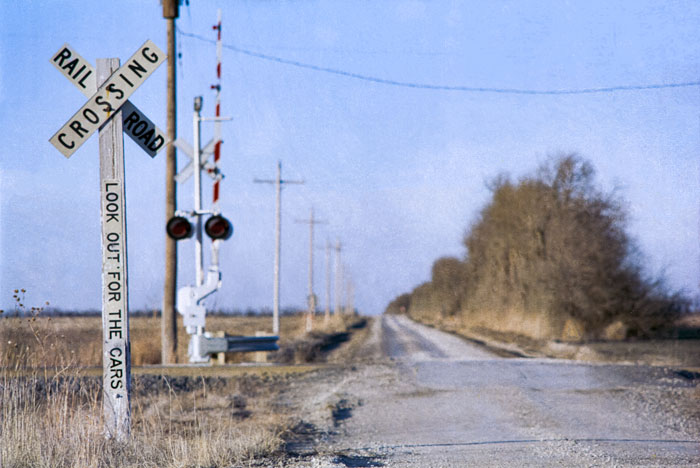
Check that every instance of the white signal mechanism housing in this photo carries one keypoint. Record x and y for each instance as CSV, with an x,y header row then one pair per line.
x,y
190,301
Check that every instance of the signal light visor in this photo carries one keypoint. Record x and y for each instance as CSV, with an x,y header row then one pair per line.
x,y
218,227
179,228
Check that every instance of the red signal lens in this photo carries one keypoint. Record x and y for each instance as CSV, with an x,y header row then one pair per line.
x,y
179,228
218,227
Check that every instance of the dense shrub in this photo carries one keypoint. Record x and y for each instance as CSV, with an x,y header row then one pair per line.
x,y
399,305
549,257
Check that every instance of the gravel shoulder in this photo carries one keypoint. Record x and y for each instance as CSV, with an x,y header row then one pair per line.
x,y
682,353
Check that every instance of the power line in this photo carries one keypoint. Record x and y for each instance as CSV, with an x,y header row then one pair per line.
x,y
470,89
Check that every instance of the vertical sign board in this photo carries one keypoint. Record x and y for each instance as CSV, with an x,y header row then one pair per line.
x,y
116,359
115,311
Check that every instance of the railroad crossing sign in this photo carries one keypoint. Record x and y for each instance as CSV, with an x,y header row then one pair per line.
x,y
108,98
210,168
108,89
82,74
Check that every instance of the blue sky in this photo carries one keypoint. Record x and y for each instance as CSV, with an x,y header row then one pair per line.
x,y
399,173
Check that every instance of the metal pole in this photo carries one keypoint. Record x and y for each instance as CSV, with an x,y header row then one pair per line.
x,y
116,356
199,257
168,318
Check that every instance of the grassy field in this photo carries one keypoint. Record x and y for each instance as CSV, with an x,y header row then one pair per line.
x,y
77,341
51,410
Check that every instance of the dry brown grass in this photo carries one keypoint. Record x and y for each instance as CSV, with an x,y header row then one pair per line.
x,y
51,411
38,341
56,422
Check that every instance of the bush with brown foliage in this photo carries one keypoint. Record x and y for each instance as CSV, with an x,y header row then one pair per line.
x,y
399,305
549,257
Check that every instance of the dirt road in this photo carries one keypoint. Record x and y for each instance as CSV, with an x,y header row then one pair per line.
x,y
430,399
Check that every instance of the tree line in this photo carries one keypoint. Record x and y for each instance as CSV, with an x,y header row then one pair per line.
x,y
548,257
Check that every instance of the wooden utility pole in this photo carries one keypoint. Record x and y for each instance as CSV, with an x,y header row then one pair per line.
x,y
168,319
311,299
338,279
278,234
350,297
327,314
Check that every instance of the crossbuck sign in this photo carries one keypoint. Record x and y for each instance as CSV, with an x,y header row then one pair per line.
x,y
108,109
110,96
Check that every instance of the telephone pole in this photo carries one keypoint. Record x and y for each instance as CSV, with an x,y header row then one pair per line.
x,y
278,233
311,299
168,318
338,278
327,313
350,297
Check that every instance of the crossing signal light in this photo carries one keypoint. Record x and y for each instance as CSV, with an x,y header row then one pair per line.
x,y
179,228
218,227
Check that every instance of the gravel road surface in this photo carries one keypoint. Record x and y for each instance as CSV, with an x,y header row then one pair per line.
x,y
425,398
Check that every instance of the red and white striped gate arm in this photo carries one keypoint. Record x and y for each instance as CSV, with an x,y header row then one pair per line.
x,y
217,123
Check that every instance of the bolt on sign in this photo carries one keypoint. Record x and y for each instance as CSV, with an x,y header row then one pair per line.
x,y
108,109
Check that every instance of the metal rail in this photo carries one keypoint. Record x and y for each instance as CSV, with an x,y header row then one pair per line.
x,y
203,346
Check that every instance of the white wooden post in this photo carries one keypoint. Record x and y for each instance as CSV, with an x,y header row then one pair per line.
x,y
116,353
102,111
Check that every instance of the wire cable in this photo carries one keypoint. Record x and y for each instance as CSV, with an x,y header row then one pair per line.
x,y
470,89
